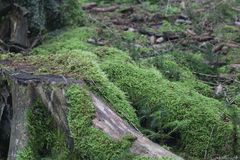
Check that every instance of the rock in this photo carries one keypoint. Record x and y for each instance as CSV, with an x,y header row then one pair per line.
x,y
160,40
219,90
182,21
237,23
183,16
235,67
152,39
130,29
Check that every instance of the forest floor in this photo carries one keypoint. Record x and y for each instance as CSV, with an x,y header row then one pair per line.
x,y
176,64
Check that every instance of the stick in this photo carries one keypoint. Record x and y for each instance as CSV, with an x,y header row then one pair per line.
x,y
107,9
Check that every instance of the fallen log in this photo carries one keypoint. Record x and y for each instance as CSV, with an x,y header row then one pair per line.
x,y
25,88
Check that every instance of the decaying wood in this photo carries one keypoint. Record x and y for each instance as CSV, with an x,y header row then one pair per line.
x,y
105,9
19,27
169,36
203,38
116,127
5,30
14,30
217,48
51,90
149,33
21,101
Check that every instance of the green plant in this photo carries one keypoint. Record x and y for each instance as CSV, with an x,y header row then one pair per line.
x,y
72,13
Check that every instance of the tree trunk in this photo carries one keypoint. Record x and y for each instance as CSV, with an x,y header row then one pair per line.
x,y
24,20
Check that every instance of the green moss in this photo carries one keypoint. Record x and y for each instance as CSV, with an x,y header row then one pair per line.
x,y
174,71
168,27
89,142
173,112
73,38
193,122
45,141
83,65
194,61
26,154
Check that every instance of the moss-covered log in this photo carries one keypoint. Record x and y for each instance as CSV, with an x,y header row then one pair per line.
x,y
44,119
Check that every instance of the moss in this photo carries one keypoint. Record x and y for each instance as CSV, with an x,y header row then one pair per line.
x,y
26,154
194,122
45,140
174,71
89,142
168,27
83,65
73,38
172,112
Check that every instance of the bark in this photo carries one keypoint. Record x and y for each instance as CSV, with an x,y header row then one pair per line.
x,y
24,20
25,88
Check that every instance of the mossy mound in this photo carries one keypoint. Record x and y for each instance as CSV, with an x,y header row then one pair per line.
x,y
66,40
194,123
174,71
89,142
83,65
170,102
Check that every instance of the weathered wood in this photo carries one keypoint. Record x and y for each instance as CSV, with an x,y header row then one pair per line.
x,y
116,127
106,9
21,101
19,27
5,31
5,119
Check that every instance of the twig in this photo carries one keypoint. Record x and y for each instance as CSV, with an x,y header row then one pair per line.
x,y
107,9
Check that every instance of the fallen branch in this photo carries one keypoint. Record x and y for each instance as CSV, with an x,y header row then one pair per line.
x,y
203,38
106,9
